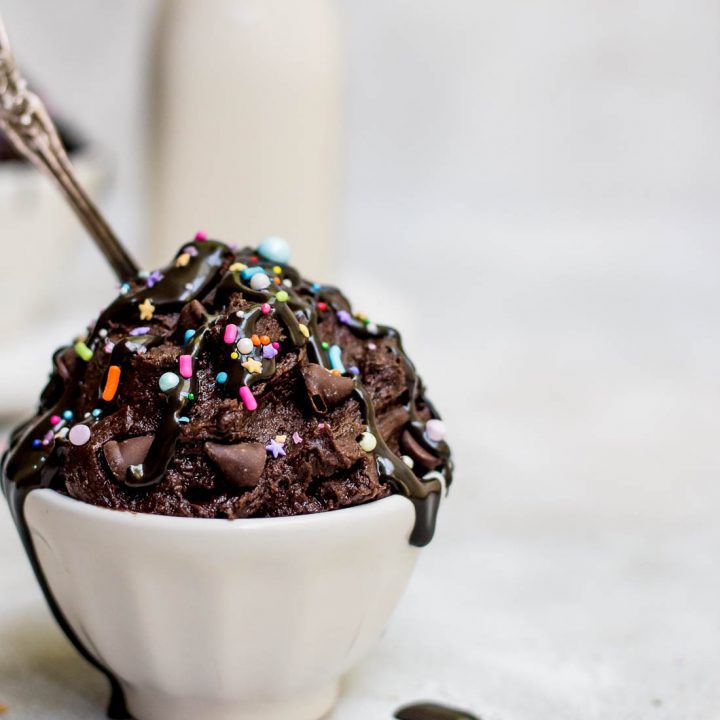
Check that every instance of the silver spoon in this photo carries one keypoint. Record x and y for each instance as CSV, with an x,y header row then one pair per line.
x,y
28,126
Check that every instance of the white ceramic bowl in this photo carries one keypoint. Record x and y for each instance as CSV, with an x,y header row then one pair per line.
x,y
225,620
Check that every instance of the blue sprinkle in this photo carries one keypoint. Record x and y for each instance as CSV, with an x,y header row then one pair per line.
x,y
168,381
183,419
221,377
125,288
189,334
316,287
96,412
276,249
36,443
68,415
247,273
335,355
354,370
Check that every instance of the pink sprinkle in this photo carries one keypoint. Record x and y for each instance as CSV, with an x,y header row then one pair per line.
x,y
265,308
296,438
54,419
186,366
109,347
201,236
276,345
191,250
230,334
321,426
248,398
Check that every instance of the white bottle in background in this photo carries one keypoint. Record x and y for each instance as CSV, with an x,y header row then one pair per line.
x,y
247,119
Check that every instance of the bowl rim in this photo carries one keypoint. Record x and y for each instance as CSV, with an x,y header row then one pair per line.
x,y
46,500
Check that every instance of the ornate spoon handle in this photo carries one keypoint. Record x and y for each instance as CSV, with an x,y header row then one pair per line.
x,y
27,124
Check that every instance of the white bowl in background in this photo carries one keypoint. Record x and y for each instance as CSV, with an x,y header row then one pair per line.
x,y
39,232
40,237
253,619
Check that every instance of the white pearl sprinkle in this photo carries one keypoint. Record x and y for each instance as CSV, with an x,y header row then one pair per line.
x,y
245,346
368,442
435,430
259,281
79,434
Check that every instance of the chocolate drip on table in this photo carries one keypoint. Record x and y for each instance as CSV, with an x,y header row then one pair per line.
x,y
209,272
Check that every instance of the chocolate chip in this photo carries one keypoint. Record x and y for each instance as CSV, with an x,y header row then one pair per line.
x,y
192,315
121,455
241,464
324,388
417,452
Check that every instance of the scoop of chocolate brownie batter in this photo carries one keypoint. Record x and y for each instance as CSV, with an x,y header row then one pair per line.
x,y
226,386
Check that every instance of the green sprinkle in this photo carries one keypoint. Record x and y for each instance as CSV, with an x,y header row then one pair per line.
x,y
281,296
191,396
325,346
83,351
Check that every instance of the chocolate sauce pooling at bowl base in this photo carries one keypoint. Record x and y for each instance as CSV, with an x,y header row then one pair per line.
x,y
332,396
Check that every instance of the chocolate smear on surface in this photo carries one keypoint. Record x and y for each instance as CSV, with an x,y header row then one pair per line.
x,y
432,711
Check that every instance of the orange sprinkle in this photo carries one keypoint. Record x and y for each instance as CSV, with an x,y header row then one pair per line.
x,y
111,384
255,340
276,280
335,372
264,339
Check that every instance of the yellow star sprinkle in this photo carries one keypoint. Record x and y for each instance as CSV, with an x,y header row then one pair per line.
x,y
146,309
238,267
304,330
280,438
252,365
182,260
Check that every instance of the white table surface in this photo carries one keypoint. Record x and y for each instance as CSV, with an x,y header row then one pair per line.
x,y
575,572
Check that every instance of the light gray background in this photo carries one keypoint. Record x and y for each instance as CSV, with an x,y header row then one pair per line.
x,y
531,193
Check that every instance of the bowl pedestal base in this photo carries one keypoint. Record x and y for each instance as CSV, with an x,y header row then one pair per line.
x,y
148,704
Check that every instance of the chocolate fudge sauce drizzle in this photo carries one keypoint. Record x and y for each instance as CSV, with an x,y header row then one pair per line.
x,y
26,468
210,275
